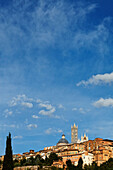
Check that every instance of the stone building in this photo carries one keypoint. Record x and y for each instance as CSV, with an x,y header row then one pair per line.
x,y
74,133
63,141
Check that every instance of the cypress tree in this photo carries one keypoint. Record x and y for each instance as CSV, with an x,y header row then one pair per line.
x,y
8,159
80,163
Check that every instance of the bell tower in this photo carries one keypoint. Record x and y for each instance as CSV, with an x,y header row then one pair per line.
x,y
74,133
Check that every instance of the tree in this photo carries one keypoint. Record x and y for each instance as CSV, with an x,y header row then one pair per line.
x,y
52,157
70,166
80,163
8,159
68,163
23,161
39,161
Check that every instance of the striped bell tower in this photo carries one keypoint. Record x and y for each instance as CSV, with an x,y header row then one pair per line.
x,y
74,133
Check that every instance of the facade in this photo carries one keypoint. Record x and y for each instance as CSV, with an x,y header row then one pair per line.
x,y
87,158
74,133
58,164
74,158
84,138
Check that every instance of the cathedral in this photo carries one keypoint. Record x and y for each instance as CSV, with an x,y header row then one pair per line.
x,y
74,135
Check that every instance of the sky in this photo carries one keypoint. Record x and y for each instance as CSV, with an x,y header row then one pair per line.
x,y
56,69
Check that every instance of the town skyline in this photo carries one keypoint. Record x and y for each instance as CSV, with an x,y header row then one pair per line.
x,y
56,69
96,153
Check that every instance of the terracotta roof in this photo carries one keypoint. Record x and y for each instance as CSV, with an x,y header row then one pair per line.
x,y
108,140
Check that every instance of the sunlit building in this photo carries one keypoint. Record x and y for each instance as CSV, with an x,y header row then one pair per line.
x,y
74,133
63,141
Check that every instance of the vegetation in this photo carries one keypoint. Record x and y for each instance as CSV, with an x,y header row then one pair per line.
x,y
37,161
108,165
70,166
80,163
8,159
48,162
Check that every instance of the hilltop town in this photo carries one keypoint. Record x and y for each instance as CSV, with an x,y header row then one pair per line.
x,y
98,150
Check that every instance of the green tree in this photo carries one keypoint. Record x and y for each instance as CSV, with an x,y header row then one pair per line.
x,y
16,163
70,166
39,161
8,159
23,161
108,165
80,163
52,157
94,166
68,163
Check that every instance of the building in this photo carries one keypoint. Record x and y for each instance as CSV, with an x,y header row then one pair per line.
x,y
98,150
74,133
84,138
62,141
58,164
87,158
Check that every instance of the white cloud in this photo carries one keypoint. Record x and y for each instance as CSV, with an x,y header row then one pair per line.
x,y
31,126
12,126
27,104
98,79
46,27
17,100
60,131
49,131
35,116
17,137
21,100
13,103
94,39
38,101
49,109
47,106
56,117
8,112
60,106
47,113
104,102
21,97
81,110
52,131
9,126
74,109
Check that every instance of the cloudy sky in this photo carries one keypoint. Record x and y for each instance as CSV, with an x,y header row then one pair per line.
x,y
56,69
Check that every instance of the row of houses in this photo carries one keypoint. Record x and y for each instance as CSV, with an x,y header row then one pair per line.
x,y
98,150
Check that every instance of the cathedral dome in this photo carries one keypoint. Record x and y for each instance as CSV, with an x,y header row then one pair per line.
x,y
62,141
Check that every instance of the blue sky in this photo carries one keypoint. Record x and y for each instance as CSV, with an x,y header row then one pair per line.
x,y
56,69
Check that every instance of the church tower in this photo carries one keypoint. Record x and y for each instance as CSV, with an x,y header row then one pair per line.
x,y
74,134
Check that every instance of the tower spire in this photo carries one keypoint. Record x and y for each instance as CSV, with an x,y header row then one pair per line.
x,y
74,133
